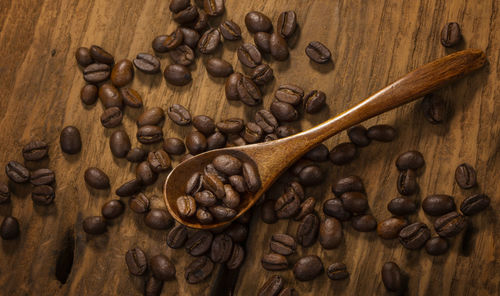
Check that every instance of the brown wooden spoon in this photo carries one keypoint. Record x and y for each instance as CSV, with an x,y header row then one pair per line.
x,y
274,157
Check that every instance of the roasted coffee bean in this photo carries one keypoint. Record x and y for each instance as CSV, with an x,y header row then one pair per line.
x,y
96,178
390,228
210,169
272,286
268,214
158,219
222,213
152,116
119,142
451,35
350,183
436,246
257,22
182,55
252,133
278,47
41,177
307,268
230,30
200,24
319,153
450,224
96,73
382,133
222,247
194,184
159,161
191,37
178,5
174,146
249,55
149,134
147,63
318,52
289,93
286,131
232,198
111,117
283,111
145,174
251,176
314,101
4,193
274,262
43,195
101,56
136,155
364,223
122,73
198,270
137,262
129,188
295,188
410,160
330,233
401,206
358,136
287,23
333,207
199,242
9,229
35,150
236,258
158,44
261,40
474,204
112,209
153,287
343,153
283,244
266,121
434,108
83,57
465,176
213,183
177,75
392,277
173,40
306,208
94,225
196,142
307,231
407,182
311,175
209,41
88,94
236,140
438,204
213,7
177,236
238,232
70,140
204,216
215,141
186,205
337,271
186,15
218,67
262,74
110,96
231,86
414,236
162,268
139,203
248,92
270,137
179,114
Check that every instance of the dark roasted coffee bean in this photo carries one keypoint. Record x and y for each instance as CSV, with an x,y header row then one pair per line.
x,y
152,116
337,271
248,92
174,146
149,134
318,52
284,111
94,225
200,24
232,198
179,114
122,73
306,208
70,140
261,40
145,174
191,37
434,108
213,183
283,244
450,224
158,219
210,169
358,137
410,160
159,161
119,142
198,270
158,44
9,229
343,153
209,41
136,155
177,75
139,203
267,212
173,40
392,277
177,236
101,56
96,73
162,268
274,262
236,140
390,228
238,232
35,150
451,35
83,57
407,182
257,22
262,74
199,242
252,133
350,183
186,15
147,63
299,165
129,188
137,262
401,206
213,7
230,30
272,286
465,176
110,96
330,233
111,117
307,231
186,205
333,207
43,195
194,184
236,258
289,93
178,5
364,223
4,193
96,178
382,133
307,268
41,177
287,23
311,175
319,153
222,246
474,204
182,55
131,97
204,216
215,141
153,287
218,67
270,137
196,142
112,209
436,246
314,101
231,86
278,47
222,213
295,188
88,94
251,176
266,121
249,55
414,236
438,204
286,131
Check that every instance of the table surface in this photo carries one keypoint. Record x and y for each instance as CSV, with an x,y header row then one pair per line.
x,y
372,42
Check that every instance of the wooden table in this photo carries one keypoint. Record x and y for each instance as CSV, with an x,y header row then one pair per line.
x,y
372,42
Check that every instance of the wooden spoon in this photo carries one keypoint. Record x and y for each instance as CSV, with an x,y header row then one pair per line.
x,y
274,157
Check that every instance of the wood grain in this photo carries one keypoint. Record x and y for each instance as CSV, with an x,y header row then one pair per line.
x,y
373,43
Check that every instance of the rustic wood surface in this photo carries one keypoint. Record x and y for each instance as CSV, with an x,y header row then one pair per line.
x,y
372,42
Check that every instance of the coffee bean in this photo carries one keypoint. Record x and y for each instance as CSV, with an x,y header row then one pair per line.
x,y
110,96
139,203
119,142
314,101
174,146
96,178
213,7
112,209
382,133
35,150
96,73
186,206
337,271
248,92
307,231
392,277
152,116
153,287
319,153
178,5
278,47
230,30
410,160
198,270
137,262
390,228
407,182
252,133
289,93
136,155
283,244
251,176
350,183
162,268
261,40
249,55
318,52
177,75
158,219
218,67
436,246
287,23
222,247
194,184
474,204
101,56
9,229
330,233
210,169
149,134
364,223
274,262
209,41
173,40
236,258
465,176
182,55
257,22
451,35
231,86
270,137
94,225
450,224
238,232
438,204
179,114
267,212
286,131
131,97
191,37
401,206
214,184
306,208
222,213
262,74
204,216
333,207
4,193
147,63
343,153
283,111
88,94
129,188
311,175
159,161
199,242
295,188
70,140
434,108
158,44
232,198
200,24
122,73
42,177
177,236
196,142
266,121
272,286
307,268
145,174
358,136
111,117
43,195
414,236
83,57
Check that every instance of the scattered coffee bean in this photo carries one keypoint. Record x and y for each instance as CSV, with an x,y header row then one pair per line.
x,y
177,75
230,30
450,224
145,174
414,236
355,202
198,270
88,94
262,74
94,225
83,57
231,86
149,134
137,262
465,176
70,140
474,204
119,142
200,24
401,206
274,262
177,236
261,40
9,229
287,205
311,175
287,23
179,114
410,160
4,193
306,208
434,108
159,161
249,55
199,242
238,232
337,271
122,73
381,133
248,92
236,258
438,204
111,117
191,37
272,286
407,182
451,35
178,5
307,231
96,73
213,7
110,96
186,206
333,207
222,213
307,268
196,142
174,146
147,63
209,41
330,233
314,101
35,150
182,55
139,203
96,178
257,22
158,44
152,116
283,244
162,268
112,209
266,121
358,136
436,246
218,67
319,153
283,111
153,287
278,47
343,153
158,219
364,223
318,52
392,277
129,188
347,184
390,228
222,247
289,93
42,177
252,133
43,195
101,56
